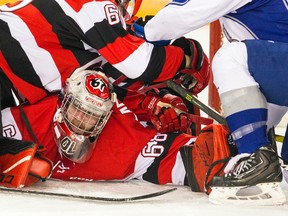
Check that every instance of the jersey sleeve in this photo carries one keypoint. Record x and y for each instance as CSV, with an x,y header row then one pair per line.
x,y
186,16
105,31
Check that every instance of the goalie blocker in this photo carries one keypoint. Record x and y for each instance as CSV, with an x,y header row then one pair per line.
x,y
22,163
207,157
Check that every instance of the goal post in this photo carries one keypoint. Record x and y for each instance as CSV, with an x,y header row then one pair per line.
x,y
215,44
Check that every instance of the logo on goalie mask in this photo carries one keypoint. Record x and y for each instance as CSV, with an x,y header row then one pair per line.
x,y
97,86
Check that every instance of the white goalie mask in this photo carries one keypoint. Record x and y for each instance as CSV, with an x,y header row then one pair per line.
x,y
85,107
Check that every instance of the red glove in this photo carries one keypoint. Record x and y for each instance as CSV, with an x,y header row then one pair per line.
x,y
168,113
196,77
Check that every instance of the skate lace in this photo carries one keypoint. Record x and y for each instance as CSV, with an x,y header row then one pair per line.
x,y
244,166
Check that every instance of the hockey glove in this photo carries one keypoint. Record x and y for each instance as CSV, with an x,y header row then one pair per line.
x,y
21,164
196,77
168,112
138,29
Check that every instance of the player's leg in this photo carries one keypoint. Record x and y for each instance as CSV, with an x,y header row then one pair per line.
x,y
273,87
245,109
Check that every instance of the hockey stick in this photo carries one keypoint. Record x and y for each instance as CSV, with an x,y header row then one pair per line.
x,y
279,138
192,99
88,198
208,110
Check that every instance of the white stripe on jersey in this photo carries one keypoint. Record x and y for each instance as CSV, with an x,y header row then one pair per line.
x,y
48,73
141,166
80,17
143,55
91,12
66,8
234,30
178,171
10,128
285,2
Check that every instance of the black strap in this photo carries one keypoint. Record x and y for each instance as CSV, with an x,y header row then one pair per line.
x,y
224,162
25,119
28,125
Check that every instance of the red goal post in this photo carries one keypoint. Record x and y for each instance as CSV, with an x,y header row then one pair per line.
x,y
215,44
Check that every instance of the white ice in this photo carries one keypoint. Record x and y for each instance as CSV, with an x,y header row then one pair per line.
x,y
181,202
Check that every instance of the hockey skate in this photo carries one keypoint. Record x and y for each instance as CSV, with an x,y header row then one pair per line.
x,y
254,180
285,170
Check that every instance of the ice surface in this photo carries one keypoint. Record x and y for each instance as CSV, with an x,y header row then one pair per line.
x,y
177,203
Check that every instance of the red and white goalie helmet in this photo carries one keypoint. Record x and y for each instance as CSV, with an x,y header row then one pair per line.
x,y
85,107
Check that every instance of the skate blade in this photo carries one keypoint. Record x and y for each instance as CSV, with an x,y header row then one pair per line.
x,y
261,194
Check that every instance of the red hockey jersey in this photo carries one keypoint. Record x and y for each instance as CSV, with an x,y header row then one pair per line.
x,y
43,41
125,149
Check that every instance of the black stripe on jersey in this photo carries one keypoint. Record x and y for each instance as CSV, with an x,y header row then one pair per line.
x,y
121,92
103,33
16,57
151,174
108,34
155,65
67,30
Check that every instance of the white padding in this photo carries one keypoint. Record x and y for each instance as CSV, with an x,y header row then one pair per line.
x,y
230,69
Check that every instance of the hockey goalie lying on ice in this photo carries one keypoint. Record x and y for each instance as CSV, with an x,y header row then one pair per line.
x,y
90,135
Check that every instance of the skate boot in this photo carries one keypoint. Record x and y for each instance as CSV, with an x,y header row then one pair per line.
x,y
285,170
255,179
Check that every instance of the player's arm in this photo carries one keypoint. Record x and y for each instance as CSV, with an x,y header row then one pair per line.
x,y
143,61
134,57
131,55
184,17
165,111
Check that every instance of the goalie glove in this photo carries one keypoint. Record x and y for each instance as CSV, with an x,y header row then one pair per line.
x,y
138,29
196,76
22,163
168,112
